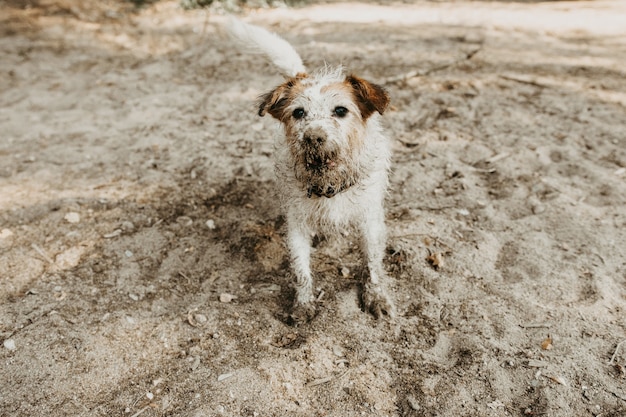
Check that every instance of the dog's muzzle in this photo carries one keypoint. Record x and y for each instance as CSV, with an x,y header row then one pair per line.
x,y
320,162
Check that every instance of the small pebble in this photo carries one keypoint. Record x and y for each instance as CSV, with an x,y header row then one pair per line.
x,y
113,234
72,217
134,297
210,224
10,344
128,253
337,351
223,377
345,272
226,298
5,233
127,226
184,221
200,318
149,395
413,403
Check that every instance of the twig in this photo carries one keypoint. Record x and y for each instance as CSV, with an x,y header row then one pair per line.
x,y
42,253
523,81
483,171
557,379
535,325
321,381
412,236
601,258
140,411
619,345
497,157
427,208
206,23
435,239
422,72
618,395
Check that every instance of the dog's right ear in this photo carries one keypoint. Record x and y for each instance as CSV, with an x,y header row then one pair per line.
x,y
276,101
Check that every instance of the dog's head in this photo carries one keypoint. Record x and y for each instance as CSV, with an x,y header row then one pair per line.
x,y
325,118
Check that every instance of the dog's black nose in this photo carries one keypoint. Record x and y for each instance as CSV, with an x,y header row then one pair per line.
x,y
315,140
315,137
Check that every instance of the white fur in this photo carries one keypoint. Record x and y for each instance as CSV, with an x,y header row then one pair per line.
x,y
354,151
275,49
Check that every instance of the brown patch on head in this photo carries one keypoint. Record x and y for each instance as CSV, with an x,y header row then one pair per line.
x,y
278,99
339,87
368,96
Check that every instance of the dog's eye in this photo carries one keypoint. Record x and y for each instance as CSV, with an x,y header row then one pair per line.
x,y
298,113
340,111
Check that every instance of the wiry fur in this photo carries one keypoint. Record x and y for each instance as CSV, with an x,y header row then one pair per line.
x,y
331,162
274,48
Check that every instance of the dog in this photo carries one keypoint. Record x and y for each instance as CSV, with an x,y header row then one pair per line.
x,y
332,160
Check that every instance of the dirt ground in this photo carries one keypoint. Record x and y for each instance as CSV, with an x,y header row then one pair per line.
x,y
142,263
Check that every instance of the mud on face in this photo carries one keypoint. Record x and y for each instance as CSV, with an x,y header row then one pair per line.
x,y
324,173
325,117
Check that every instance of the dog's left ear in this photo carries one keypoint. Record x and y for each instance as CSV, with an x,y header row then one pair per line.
x,y
369,97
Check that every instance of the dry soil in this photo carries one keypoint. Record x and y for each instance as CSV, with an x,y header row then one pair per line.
x,y
142,263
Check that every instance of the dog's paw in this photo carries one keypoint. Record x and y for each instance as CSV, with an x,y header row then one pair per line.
x,y
302,313
377,302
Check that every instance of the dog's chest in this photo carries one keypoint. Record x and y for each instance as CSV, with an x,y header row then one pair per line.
x,y
342,210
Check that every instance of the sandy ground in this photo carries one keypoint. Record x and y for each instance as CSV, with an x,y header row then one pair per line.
x,y
142,263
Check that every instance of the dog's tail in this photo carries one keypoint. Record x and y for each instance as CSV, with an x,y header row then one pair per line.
x,y
274,48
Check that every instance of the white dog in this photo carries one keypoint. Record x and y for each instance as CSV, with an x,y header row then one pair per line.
x,y
331,162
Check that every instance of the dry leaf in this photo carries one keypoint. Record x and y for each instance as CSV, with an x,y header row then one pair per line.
x,y
558,379
436,260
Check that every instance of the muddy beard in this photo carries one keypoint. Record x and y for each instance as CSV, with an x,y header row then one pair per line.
x,y
324,174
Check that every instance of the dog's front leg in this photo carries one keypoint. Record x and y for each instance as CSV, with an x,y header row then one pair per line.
x,y
299,241
373,235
